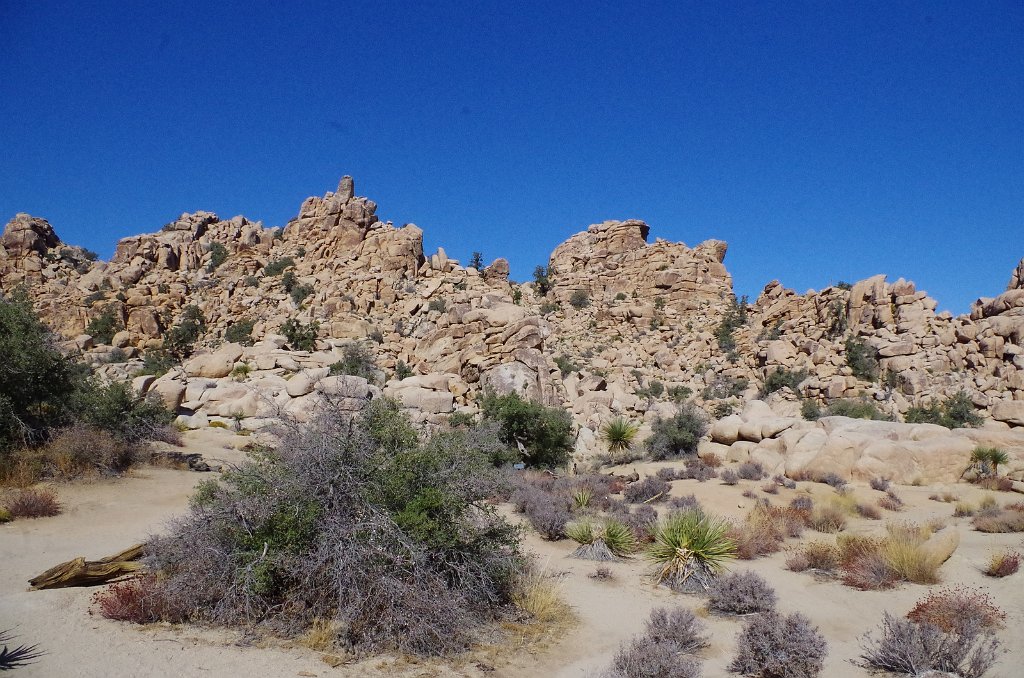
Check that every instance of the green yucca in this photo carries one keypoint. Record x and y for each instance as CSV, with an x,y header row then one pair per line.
x,y
691,548
603,542
989,457
582,497
581,532
619,538
619,434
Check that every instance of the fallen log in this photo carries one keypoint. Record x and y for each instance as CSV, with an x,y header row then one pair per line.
x,y
82,572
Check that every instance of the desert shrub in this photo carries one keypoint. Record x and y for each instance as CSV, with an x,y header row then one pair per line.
x,y
669,474
855,408
37,382
677,435
741,593
549,517
832,480
751,470
781,378
641,520
240,332
402,371
733,318
670,636
912,649
301,336
353,519
880,484
649,489
696,469
23,655
83,449
601,542
956,609
810,410
103,327
180,340
277,266
32,503
802,503
861,359
891,501
544,432
116,407
579,299
1003,564
957,411
1008,519
729,477
690,548
821,555
541,281
299,293
139,600
602,573
772,645
218,255
357,361
869,511
437,305
565,365
910,555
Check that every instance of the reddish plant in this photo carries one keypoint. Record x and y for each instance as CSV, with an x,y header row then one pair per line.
x,y
33,503
955,609
1003,564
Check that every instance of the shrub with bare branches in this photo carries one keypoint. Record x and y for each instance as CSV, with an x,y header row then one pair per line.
x,y
906,647
666,648
33,503
783,646
741,593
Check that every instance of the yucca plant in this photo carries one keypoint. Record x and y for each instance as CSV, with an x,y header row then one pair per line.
x,y
989,459
582,497
17,657
619,434
604,542
690,548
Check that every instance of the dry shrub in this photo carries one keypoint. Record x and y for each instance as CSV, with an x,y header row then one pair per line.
x,y
641,519
912,649
83,450
670,637
821,555
540,596
869,511
711,459
764,530
996,484
964,510
749,494
955,609
832,480
803,504
797,562
602,573
891,501
770,488
1003,564
741,593
729,477
140,600
829,518
549,518
751,470
880,484
33,503
1009,519
695,469
774,645
649,489
870,572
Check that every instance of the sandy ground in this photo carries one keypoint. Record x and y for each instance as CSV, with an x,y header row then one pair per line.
x,y
104,517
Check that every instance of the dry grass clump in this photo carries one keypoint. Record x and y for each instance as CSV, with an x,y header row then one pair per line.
x,y
869,511
764,530
772,644
963,509
602,573
1003,564
815,555
957,608
1000,520
770,488
913,556
741,593
891,501
540,596
670,639
32,503
828,518
908,648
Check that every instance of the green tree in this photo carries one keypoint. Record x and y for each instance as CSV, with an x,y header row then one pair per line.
x,y
541,280
477,261
542,434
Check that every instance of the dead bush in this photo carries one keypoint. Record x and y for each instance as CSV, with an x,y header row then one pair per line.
x,y
751,470
33,503
912,649
729,477
880,484
741,593
957,609
82,450
1008,519
827,518
140,600
772,645
649,489
869,511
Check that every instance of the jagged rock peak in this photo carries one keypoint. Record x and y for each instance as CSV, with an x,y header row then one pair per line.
x,y
1017,277
25,234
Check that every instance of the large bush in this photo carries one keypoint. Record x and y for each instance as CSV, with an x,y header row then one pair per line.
x,y
352,521
860,357
544,434
957,411
677,435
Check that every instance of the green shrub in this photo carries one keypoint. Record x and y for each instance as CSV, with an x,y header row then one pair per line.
x,y
545,433
861,359
437,305
477,261
837,321
621,296
181,339
277,266
218,255
103,327
677,435
156,361
957,411
579,299
118,409
541,281
402,371
548,307
679,394
300,292
855,408
240,332
810,410
780,378
565,365
300,336
288,281
357,361
734,318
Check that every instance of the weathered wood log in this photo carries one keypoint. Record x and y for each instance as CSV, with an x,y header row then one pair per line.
x,y
82,572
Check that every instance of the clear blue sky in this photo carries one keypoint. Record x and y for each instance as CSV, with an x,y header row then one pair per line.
x,y
824,141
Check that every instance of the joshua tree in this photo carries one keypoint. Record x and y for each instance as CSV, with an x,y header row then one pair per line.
x,y
989,457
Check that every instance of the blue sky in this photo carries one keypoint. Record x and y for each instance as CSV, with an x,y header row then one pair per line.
x,y
823,141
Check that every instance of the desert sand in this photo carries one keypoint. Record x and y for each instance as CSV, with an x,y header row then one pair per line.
x,y
103,517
